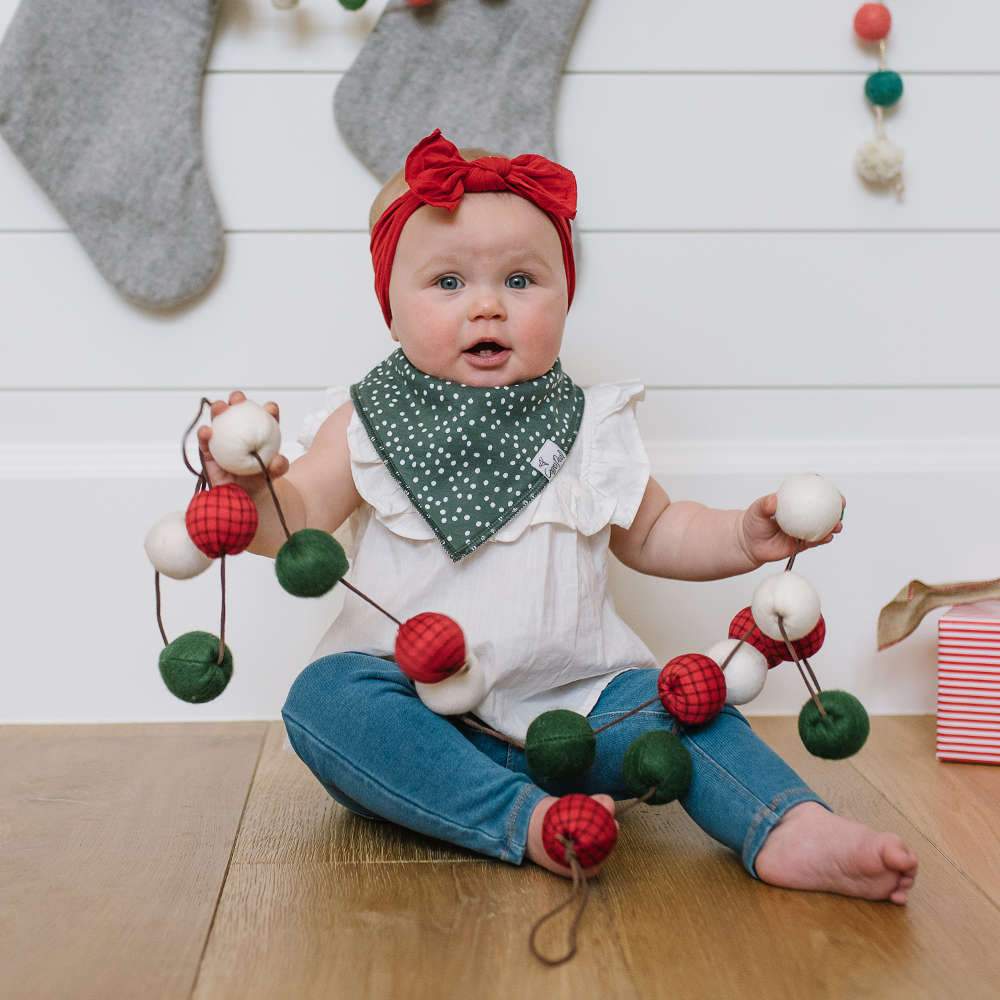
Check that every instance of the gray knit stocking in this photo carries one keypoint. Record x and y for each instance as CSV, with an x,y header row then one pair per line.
x,y
101,102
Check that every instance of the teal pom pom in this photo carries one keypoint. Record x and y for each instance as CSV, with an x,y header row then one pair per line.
x,y
657,759
310,563
560,745
842,733
189,669
884,87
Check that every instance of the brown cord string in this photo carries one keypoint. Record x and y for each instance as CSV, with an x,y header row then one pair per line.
x,y
578,879
795,656
222,626
284,526
636,802
159,616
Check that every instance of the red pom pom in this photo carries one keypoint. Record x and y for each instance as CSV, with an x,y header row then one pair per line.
x,y
808,645
420,3
585,823
872,21
430,647
774,651
692,688
222,520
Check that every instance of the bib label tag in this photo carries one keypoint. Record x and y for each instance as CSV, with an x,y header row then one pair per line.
x,y
549,459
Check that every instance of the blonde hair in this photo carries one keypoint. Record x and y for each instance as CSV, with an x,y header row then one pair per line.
x,y
396,184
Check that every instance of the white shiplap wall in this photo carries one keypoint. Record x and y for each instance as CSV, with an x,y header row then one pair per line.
x,y
783,316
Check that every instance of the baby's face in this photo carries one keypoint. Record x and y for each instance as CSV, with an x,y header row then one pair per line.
x,y
492,270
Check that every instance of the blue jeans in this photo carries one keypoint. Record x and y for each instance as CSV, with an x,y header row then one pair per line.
x,y
357,723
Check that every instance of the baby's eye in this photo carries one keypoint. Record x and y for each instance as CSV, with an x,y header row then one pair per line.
x,y
447,277
526,277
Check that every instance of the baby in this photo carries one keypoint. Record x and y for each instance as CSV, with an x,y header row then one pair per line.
x,y
481,482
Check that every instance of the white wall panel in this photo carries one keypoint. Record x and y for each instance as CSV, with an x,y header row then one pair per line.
x,y
783,316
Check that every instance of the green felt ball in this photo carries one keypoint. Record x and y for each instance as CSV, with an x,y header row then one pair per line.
x,y
842,733
352,4
884,87
657,759
560,745
189,669
310,563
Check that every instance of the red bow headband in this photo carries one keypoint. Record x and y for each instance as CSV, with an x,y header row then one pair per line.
x,y
438,175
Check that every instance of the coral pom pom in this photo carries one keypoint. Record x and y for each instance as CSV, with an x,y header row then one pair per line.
x,y
430,647
585,823
222,520
872,21
692,688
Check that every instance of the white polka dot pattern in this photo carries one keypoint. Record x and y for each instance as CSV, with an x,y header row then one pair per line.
x,y
463,454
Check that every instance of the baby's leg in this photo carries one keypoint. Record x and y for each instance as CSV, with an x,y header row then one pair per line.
x,y
741,791
359,726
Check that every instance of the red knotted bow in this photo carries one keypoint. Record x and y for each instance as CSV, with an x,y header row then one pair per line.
x,y
438,175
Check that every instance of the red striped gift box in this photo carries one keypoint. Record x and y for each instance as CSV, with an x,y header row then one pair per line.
x,y
968,695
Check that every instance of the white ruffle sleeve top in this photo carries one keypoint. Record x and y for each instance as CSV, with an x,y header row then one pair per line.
x,y
533,599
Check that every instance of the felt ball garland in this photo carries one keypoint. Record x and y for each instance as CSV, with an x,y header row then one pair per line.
x,y
783,622
879,161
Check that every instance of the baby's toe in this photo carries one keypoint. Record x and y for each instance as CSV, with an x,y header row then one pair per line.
x,y
897,856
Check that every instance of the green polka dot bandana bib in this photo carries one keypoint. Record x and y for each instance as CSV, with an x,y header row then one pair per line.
x,y
470,458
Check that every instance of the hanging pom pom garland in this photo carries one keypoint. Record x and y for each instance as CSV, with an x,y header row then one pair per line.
x,y
879,161
346,4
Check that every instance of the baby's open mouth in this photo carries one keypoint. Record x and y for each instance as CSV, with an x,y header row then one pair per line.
x,y
485,348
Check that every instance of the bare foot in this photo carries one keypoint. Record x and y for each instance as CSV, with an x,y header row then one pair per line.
x,y
813,848
536,852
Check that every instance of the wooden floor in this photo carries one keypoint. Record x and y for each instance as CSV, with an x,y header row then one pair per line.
x,y
204,860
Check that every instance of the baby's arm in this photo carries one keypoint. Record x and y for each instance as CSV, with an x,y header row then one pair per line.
x,y
683,540
317,491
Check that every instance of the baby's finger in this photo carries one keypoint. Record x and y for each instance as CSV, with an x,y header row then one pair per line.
x,y
218,407
272,408
236,396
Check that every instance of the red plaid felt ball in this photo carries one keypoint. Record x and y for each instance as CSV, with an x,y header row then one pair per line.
x,y
222,520
430,647
585,823
692,688
775,652
808,645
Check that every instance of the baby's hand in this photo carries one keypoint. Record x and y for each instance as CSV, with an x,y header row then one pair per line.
x,y
764,541
218,475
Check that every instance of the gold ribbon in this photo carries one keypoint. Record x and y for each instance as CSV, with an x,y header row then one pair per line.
x,y
908,608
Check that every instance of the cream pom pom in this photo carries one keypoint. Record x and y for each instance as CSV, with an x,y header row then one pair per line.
x,y
239,430
745,673
809,506
458,693
170,549
879,160
791,596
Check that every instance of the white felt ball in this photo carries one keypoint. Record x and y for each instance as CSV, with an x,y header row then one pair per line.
x,y
809,506
171,550
745,673
879,160
239,430
792,597
458,693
